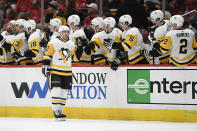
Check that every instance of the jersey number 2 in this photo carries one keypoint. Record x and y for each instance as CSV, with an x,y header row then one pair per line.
x,y
183,46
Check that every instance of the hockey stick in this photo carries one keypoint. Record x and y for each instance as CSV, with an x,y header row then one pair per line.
x,y
190,12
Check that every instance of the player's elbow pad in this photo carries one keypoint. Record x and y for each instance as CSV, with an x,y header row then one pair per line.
x,y
117,45
29,53
1,51
7,47
46,62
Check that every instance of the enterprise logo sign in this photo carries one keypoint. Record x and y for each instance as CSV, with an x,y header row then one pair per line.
x,y
141,86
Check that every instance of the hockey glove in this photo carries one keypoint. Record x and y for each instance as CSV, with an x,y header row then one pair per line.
x,y
18,54
45,70
81,41
144,53
43,43
156,50
90,47
114,64
29,53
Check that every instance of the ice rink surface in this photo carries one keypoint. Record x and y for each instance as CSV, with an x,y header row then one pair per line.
x,y
35,124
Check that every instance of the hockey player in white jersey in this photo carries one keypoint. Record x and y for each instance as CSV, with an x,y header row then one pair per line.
x,y
2,50
180,42
113,36
78,36
73,22
35,51
157,33
55,24
96,47
121,24
20,44
58,67
10,28
9,36
133,42
51,32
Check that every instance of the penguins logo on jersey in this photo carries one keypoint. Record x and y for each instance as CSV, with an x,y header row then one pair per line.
x,y
65,54
108,43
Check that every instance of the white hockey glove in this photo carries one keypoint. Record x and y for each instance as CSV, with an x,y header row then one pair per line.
x,y
45,70
145,53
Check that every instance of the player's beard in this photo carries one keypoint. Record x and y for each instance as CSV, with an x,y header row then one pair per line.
x,y
9,31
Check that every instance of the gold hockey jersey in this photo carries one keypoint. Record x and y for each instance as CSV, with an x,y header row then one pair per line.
x,y
182,46
60,55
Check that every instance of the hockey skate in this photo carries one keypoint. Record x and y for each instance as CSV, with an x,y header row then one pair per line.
x,y
59,116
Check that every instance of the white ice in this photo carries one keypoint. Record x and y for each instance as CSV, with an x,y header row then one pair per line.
x,y
35,124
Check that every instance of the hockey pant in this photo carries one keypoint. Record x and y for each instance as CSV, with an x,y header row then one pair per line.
x,y
59,89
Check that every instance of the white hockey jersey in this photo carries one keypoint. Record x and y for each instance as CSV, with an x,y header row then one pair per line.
x,y
85,59
182,46
161,31
159,35
100,48
133,44
60,55
114,36
8,55
54,35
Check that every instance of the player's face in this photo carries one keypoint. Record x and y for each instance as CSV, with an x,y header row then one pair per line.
x,y
71,26
93,27
13,27
121,25
28,30
9,28
53,28
108,29
97,29
174,26
17,28
64,35
156,22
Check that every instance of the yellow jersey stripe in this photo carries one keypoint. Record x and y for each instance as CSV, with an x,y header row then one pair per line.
x,y
58,66
137,52
184,59
61,101
60,73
